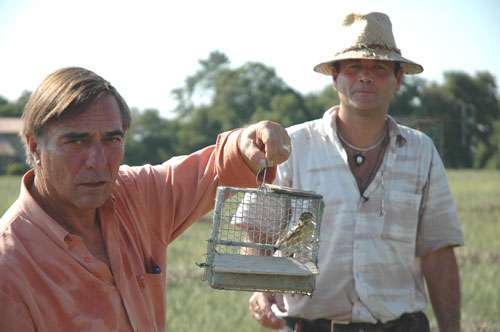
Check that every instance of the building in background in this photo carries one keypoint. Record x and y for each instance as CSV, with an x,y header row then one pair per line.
x,y
11,148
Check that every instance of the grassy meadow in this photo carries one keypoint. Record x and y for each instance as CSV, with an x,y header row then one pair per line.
x,y
194,306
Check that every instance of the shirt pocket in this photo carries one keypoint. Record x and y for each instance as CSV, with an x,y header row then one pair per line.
x,y
401,216
152,285
153,280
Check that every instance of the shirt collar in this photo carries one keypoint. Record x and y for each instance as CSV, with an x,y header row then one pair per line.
x,y
34,213
395,131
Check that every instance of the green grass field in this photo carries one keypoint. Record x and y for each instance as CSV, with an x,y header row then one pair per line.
x,y
194,306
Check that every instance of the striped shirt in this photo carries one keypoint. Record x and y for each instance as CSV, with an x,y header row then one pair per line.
x,y
369,249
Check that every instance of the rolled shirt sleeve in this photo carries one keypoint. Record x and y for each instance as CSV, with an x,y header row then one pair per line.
x,y
439,226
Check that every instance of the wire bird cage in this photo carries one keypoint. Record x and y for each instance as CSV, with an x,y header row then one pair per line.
x,y
264,239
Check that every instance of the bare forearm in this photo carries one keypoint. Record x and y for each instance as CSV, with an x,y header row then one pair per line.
x,y
443,283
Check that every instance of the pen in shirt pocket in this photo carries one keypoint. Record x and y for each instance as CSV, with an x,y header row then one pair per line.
x,y
154,268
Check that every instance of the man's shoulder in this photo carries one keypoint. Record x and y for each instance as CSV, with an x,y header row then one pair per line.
x,y
13,257
415,137
9,234
12,214
133,175
135,183
306,130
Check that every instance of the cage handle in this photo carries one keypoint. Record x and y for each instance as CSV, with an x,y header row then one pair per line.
x,y
261,176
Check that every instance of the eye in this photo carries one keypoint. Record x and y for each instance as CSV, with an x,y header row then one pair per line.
x,y
381,68
76,141
115,139
352,68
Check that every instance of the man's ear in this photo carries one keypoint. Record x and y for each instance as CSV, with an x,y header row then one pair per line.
x,y
334,74
334,80
33,148
400,79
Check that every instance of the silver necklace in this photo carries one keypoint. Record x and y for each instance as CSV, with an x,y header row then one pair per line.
x,y
359,157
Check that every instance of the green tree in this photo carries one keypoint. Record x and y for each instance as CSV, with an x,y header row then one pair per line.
x,y
201,130
286,109
453,141
251,88
461,114
150,139
407,100
494,140
14,109
218,98
458,114
318,103
197,86
476,97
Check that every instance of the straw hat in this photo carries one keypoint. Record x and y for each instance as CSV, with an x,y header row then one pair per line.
x,y
367,37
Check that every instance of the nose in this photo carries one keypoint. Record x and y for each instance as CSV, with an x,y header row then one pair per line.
x,y
366,76
96,157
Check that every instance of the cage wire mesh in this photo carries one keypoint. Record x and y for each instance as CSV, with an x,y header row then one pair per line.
x,y
264,239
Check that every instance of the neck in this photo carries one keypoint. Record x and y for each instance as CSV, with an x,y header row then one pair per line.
x,y
361,128
74,220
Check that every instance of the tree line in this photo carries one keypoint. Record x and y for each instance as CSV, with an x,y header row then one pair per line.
x,y
461,114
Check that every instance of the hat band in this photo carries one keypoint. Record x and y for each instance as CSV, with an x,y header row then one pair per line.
x,y
361,47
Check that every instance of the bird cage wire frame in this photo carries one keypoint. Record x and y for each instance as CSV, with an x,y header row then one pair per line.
x,y
264,239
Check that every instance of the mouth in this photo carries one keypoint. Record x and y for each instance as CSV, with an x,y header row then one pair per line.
x,y
365,92
95,184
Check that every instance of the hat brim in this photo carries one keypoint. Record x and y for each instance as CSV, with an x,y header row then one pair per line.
x,y
408,66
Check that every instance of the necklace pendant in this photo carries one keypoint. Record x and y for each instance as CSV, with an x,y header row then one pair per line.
x,y
359,159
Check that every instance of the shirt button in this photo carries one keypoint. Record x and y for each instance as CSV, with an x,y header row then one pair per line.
x,y
87,259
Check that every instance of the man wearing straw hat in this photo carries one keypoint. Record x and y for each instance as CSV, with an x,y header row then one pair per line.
x,y
389,222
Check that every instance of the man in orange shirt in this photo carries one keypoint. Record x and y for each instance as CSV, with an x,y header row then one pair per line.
x,y
84,246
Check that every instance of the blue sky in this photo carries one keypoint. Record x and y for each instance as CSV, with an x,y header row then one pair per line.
x,y
147,48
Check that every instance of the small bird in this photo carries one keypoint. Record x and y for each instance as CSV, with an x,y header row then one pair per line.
x,y
299,235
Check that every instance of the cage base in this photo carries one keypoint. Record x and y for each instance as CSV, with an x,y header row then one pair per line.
x,y
262,273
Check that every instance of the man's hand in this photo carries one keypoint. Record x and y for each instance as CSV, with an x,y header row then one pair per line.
x,y
260,307
264,144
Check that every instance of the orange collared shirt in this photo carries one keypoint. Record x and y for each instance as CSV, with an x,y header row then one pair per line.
x,y
49,280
